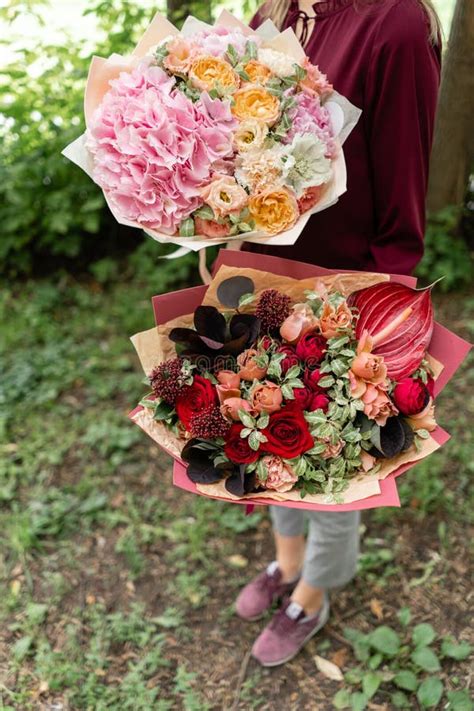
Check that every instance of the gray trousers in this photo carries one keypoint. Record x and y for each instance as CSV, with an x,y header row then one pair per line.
x,y
332,545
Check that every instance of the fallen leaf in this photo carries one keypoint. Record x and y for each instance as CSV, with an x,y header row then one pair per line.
x,y
90,599
330,670
376,608
100,672
237,561
340,657
43,687
15,587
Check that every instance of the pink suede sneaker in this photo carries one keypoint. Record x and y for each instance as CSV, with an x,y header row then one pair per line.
x,y
287,633
259,595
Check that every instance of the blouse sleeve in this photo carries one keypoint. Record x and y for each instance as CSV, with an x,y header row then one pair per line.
x,y
401,96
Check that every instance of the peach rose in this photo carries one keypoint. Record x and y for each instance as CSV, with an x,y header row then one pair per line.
x,y
367,366
257,72
248,368
332,320
280,476
310,198
315,82
358,386
250,134
228,378
332,450
377,404
181,54
224,195
274,210
254,102
207,71
266,397
211,228
231,406
300,321
425,420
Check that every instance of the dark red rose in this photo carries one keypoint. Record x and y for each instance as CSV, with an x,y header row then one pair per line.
x,y
311,348
287,433
266,342
290,360
411,396
430,385
192,399
303,397
311,379
237,448
319,401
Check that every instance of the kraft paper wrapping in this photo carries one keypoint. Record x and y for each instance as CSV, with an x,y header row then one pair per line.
x,y
153,346
102,70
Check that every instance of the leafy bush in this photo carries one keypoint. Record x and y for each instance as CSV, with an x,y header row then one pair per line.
x,y
50,208
446,255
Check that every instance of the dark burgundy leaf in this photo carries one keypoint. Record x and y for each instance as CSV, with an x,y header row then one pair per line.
x,y
230,290
201,468
210,324
392,439
241,324
409,434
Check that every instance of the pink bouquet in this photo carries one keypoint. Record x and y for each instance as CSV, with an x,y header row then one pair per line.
x,y
213,134
315,392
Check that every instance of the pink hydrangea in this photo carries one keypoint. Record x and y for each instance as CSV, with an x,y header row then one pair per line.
x,y
216,40
153,149
308,116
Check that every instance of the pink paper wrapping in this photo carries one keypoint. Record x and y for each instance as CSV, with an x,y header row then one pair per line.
x,y
445,346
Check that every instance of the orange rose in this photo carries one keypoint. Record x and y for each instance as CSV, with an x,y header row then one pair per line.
x,y
425,420
208,71
274,210
257,72
367,461
255,102
266,397
228,378
334,320
367,366
248,368
181,54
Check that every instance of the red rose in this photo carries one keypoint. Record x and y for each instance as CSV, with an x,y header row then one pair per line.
x,y
311,348
303,397
311,379
266,342
287,433
319,401
237,448
290,360
411,396
193,399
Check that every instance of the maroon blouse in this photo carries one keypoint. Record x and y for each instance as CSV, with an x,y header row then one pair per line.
x,y
381,59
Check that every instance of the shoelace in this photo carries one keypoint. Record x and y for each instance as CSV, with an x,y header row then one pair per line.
x,y
281,623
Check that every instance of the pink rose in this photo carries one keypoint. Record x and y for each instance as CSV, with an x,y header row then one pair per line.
x,y
332,450
315,82
377,404
224,195
231,406
280,476
211,228
310,198
367,461
266,397
301,320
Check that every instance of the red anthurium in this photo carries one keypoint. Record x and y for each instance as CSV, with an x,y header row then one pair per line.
x,y
400,322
